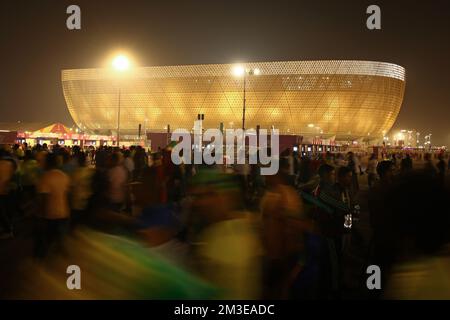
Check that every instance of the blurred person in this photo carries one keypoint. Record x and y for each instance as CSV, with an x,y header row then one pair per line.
x,y
172,176
158,223
372,170
352,165
150,159
229,249
101,158
340,160
382,231
129,165
329,158
394,160
429,166
312,278
148,193
419,264
179,183
18,152
128,162
291,164
297,159
315,164
81,189
257,182
140,162
339,198
53,217
231,257
305,170
91,152
327,175
162,178
118,179
358,159
385,171
74,152
40,157
10,154
406,165
243,172
282,238
7,169
29,169
441,168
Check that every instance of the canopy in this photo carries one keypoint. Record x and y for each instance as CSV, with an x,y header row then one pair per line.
x,y
55,128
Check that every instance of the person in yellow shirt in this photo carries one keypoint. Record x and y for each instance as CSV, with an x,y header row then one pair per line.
x,y
53,217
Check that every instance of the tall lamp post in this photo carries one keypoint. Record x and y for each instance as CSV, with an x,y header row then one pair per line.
x,y
120,64
240,71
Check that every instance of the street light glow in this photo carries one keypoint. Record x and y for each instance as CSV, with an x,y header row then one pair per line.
x,y
238,71
121,63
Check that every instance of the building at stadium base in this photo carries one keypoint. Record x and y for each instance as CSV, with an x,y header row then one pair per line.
x,y
314,104
34,133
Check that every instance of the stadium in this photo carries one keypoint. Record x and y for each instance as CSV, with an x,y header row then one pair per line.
x,y
338,99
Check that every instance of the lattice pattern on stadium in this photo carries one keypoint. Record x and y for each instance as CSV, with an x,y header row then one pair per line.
x,y
346,99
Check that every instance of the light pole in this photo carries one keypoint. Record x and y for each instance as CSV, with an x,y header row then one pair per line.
x,y
120,64
145,131
118,120
240,71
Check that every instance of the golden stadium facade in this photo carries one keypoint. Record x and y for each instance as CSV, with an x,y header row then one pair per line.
x,y
346,99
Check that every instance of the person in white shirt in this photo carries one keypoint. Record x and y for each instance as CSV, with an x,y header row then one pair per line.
x,y
128,163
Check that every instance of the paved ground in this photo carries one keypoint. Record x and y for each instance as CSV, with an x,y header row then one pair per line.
x,y
12,252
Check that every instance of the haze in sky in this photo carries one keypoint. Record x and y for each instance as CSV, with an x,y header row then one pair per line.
x,y
36,45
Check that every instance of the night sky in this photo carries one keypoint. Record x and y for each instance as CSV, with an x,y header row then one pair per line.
x,y
36,45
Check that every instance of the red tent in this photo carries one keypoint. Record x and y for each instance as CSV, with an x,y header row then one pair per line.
x,y
55,128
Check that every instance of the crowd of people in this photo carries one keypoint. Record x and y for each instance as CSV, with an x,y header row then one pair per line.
x,y
141,227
